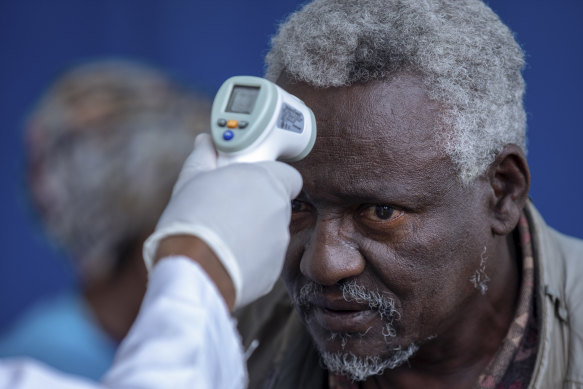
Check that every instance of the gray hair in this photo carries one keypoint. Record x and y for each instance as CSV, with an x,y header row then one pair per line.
x,y
467,58
105,145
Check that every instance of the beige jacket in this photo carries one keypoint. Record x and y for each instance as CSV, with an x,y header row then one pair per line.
x,y
559,282
285,357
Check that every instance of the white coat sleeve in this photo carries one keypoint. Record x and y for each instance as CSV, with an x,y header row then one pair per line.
x,y
183,337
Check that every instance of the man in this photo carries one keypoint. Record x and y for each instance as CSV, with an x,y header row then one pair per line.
x,y
415,259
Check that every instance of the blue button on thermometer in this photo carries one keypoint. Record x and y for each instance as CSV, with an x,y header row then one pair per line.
x,y
271,123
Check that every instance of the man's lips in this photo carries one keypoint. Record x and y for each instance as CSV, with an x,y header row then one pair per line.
x,y
339,315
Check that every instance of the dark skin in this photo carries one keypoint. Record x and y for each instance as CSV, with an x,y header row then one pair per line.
x,y
115,300
198,251
382,205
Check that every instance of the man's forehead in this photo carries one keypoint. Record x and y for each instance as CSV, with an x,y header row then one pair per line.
x,y
380,108
374,136
369,174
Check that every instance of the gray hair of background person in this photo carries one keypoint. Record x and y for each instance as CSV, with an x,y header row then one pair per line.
x,y
105,146
467,58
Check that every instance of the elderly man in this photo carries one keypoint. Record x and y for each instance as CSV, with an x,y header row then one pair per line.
x,y
416,259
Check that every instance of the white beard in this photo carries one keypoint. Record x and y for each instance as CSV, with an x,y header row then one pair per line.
x,y
360,368
346,363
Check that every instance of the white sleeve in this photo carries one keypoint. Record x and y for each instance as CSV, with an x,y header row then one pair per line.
x,y
184,337
25,373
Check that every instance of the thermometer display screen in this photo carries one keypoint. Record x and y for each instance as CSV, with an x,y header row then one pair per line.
x,y
242,99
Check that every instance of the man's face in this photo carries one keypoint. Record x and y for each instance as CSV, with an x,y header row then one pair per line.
x,y
384,240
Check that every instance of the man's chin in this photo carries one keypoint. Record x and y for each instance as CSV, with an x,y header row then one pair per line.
x,y
376,340
355,344
360,367
361,355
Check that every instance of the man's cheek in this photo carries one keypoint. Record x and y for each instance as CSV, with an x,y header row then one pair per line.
x,y
291,266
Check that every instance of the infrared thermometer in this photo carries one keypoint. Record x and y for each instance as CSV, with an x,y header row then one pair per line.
x,y
252,119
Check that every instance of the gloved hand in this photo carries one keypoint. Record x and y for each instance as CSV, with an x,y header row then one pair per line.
x,y
241,211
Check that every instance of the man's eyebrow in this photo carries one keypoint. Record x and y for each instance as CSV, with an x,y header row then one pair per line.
x,y
372,196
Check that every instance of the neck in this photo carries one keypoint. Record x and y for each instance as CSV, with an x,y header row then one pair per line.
x,y
115,301
458,356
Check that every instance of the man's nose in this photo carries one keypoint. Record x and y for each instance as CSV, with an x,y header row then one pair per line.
x,y
330,256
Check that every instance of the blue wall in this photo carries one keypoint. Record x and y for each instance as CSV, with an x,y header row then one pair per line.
x,y
203,43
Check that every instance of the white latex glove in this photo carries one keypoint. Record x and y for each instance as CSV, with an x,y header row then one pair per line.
x,y
242,212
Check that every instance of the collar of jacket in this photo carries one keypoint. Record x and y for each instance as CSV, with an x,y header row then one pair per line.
x,y
558,267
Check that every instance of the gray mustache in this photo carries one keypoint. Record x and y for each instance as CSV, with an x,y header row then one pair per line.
x,y
351,292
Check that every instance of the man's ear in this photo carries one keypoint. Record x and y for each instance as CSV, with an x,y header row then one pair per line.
x,y
509,178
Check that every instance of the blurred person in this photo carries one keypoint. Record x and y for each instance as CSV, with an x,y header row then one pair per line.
x,y
211,252
104,146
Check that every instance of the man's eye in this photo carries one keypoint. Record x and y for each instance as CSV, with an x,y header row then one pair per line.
x,y
298,206
381,213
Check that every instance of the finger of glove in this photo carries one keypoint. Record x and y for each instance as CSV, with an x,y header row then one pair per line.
x,y
289,178
202,158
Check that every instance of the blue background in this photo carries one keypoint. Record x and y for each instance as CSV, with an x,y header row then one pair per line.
x,y
201,43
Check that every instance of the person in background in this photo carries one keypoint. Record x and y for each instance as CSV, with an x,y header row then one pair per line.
x,y
104,148
211,252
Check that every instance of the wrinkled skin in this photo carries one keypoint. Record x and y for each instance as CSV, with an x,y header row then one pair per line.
x,y
381,206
